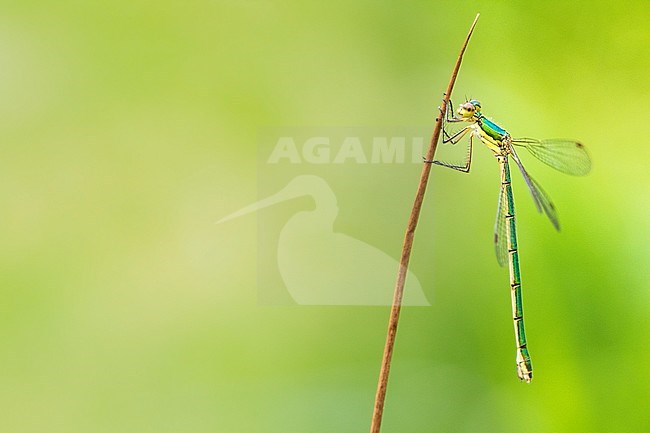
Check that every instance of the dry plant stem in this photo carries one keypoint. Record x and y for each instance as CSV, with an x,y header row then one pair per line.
x,y
406,249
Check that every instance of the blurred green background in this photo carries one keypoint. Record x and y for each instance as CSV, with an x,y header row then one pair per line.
x,y
129,127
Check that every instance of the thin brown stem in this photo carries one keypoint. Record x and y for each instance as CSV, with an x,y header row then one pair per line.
x,y
406,249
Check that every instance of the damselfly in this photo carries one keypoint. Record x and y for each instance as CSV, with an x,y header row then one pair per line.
x,y
567,156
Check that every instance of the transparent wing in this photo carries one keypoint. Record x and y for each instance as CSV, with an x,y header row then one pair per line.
x,y
567,156
500,243
542,200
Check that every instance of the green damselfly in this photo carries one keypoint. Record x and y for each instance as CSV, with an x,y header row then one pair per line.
x,y
567,156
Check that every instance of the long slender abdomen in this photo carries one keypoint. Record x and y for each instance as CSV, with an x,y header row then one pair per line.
x,y
524,365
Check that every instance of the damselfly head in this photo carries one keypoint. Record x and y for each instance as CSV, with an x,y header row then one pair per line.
x,y
469,109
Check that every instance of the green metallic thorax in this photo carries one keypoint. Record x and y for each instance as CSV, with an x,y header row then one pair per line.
x,y
492,129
